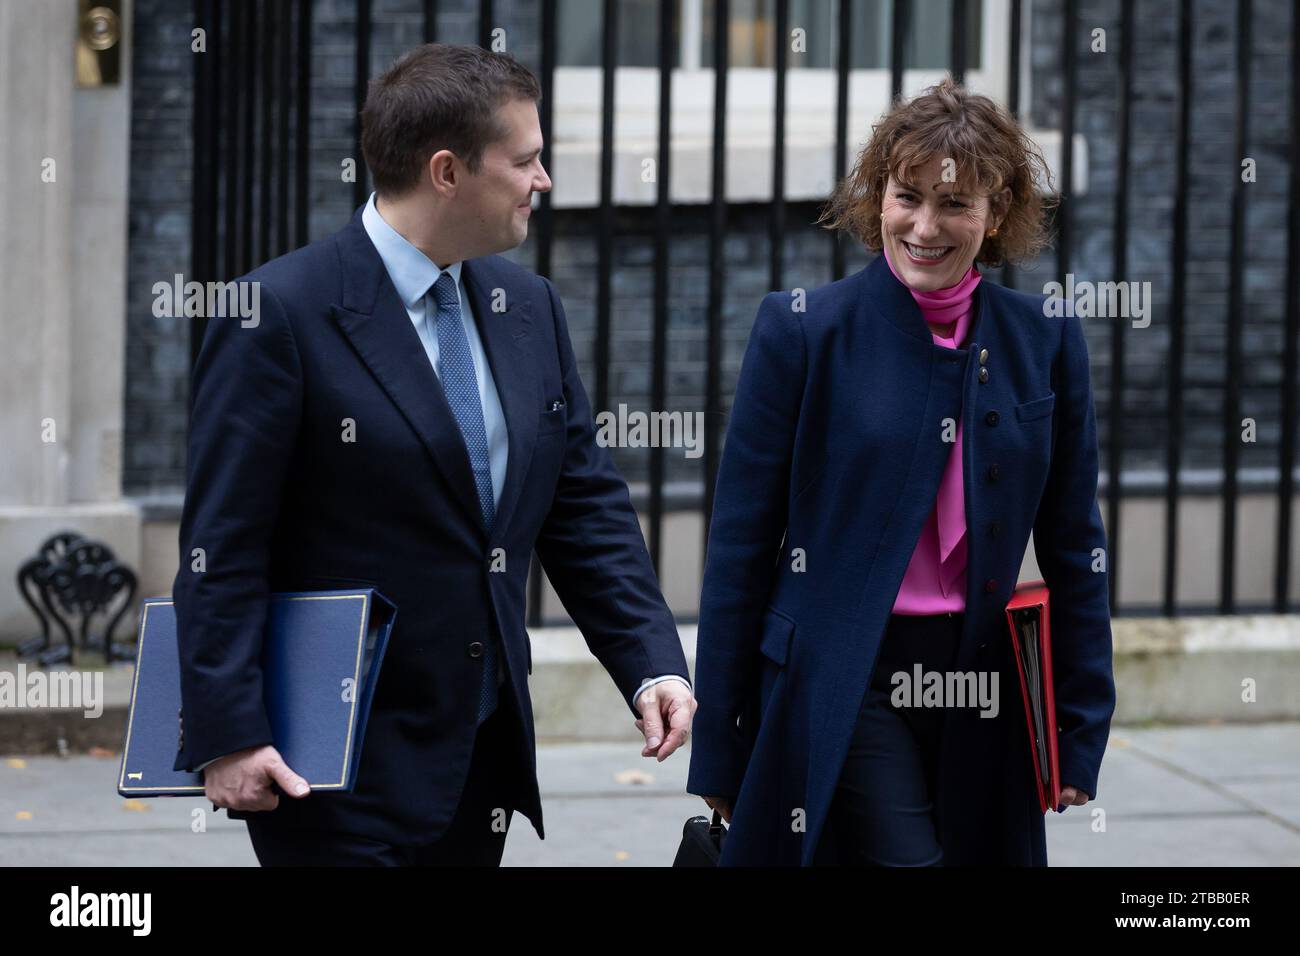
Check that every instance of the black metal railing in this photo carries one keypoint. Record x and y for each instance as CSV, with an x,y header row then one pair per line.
x,y
243,181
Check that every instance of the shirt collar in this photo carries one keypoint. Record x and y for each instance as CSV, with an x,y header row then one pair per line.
x,y
410,269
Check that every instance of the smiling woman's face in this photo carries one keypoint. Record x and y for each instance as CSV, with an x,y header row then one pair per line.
x,y
933,229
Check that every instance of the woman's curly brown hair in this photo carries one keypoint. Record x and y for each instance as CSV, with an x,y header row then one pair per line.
x,y
990,147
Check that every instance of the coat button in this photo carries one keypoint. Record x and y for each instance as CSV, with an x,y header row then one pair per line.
x,y
994,527
476,649
984,375
990,586
994,472
984,356
991,418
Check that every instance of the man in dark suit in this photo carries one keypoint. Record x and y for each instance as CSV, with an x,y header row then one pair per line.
x,y
406,413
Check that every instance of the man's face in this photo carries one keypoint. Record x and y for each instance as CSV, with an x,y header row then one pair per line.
x,y
497,201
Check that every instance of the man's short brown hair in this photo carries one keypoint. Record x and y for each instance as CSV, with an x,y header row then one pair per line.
x,y
437,96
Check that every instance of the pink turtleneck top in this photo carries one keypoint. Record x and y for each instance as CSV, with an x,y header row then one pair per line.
x,y
935,581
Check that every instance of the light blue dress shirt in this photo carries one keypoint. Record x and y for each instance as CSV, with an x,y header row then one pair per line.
x,y
413,276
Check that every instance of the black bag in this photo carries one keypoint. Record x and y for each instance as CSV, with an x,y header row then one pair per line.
x,y
701,841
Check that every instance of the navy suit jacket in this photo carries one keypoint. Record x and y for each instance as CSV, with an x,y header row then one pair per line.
x,y
835,449
278,501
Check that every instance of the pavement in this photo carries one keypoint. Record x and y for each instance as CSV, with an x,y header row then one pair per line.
x,y
1201,795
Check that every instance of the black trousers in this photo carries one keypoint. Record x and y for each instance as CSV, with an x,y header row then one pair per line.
x,y
884,812
476,836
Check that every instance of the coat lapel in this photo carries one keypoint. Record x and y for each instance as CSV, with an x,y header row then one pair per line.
x,y
376,322
505,337
895,301
374,319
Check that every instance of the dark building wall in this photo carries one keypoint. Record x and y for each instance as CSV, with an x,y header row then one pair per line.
x,y
157,349
1214,167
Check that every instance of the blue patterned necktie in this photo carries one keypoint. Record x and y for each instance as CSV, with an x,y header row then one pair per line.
x,y
459,384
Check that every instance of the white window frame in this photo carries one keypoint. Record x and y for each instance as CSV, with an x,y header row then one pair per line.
x,y
809,133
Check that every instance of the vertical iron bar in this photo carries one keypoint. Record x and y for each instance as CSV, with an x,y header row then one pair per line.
x,y
1068,43
844,35
430,24
663,223
203,190
957,41
248,82
1013,102
266,37
1286,458
284,94
545,230
230,227
717,261
1236,315
360,188
485,14
302,133
1119,268
1177,310
605,225
898,23
776,212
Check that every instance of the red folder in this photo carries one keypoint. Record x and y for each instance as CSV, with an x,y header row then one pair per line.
x,y
1029,621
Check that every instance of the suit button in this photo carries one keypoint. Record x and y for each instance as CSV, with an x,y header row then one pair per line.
x,y
990,586
984,375
984,356
991,418
994,527
476,649
993,472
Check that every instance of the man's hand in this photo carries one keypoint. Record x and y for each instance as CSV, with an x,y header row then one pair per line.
x,y
668,700
242,780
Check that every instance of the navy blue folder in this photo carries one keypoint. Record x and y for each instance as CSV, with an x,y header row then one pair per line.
x,y
320,659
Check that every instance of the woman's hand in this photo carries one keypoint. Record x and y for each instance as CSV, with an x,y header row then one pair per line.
x,y
722,805
1071,797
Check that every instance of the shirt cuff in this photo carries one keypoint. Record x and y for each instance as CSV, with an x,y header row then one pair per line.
x,y
656,680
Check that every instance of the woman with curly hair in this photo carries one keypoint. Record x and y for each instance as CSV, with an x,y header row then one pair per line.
x,y
896,437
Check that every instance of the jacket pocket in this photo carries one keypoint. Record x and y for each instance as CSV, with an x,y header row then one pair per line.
x,y
778,630
552,420
1038,408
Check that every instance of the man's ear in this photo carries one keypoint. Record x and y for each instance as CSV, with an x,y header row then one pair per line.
x,y
443,171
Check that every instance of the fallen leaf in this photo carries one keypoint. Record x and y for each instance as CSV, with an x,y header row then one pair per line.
x,y
17,763
100,752
23,814
634,777
139,806
621,855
